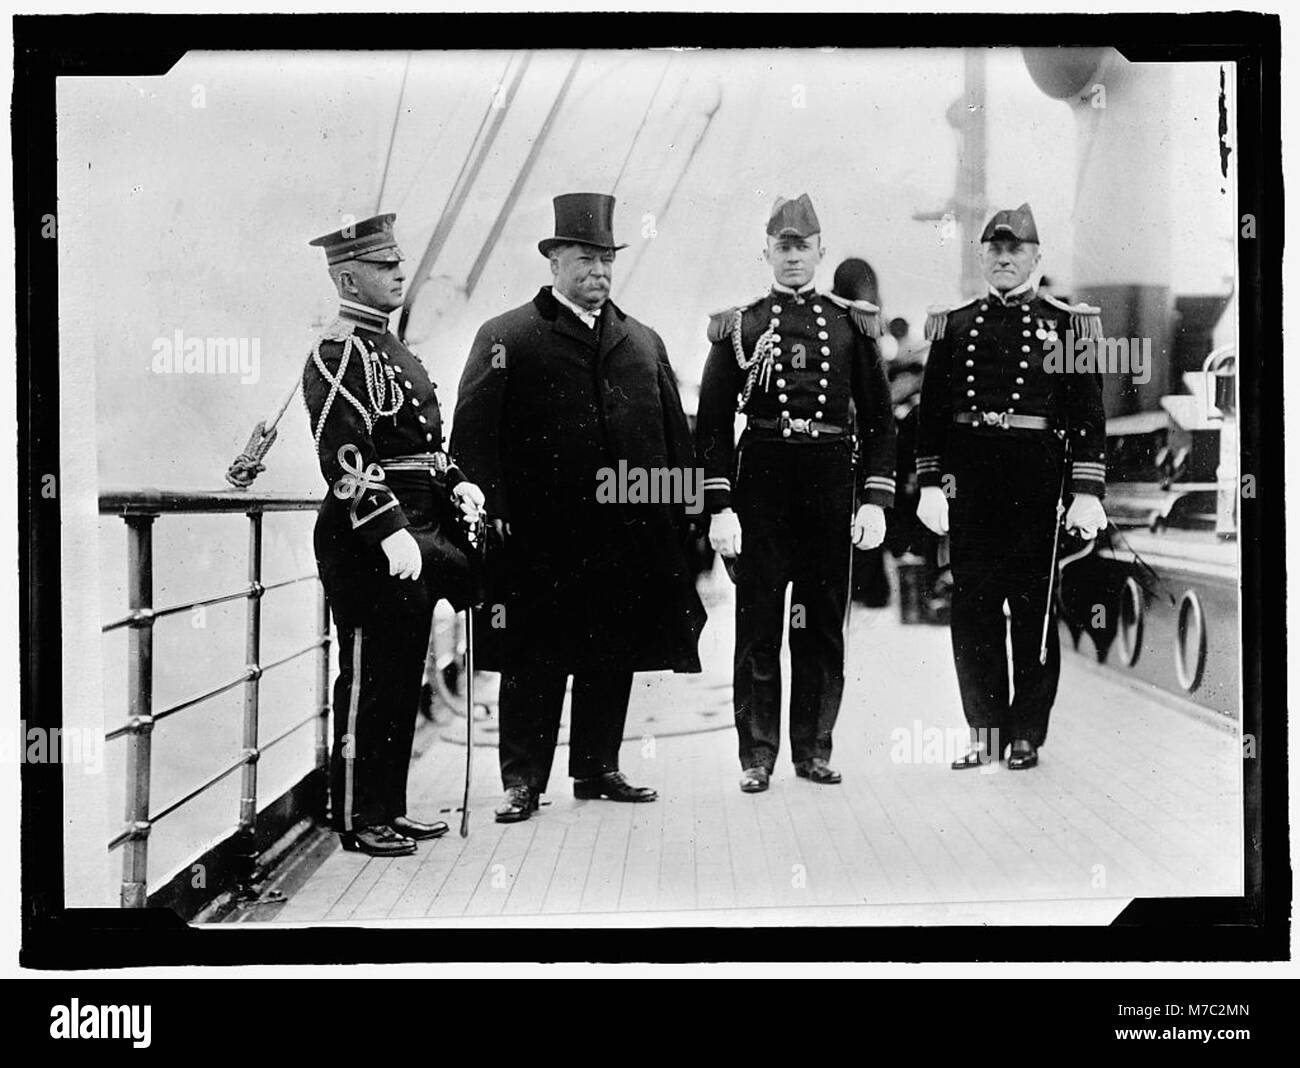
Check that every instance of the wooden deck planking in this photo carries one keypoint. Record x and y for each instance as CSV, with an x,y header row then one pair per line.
x,y
1144,792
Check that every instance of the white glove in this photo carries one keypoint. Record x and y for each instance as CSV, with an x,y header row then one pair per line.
x,y
932,509
724,533
869,527
1086,515
470,498
403,554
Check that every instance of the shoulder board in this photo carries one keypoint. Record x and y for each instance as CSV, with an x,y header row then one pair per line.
x,y
1085,319
865,315
339,330
936,318
722,322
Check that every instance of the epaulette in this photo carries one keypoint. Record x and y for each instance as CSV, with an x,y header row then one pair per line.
x,y
339,330
1085,319
936,318
865,315
721,323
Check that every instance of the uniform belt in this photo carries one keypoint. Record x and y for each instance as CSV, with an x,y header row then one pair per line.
x,y
787,426
436,462
1005,420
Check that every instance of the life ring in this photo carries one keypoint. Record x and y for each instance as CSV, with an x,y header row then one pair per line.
x,y
1129,625
1189,641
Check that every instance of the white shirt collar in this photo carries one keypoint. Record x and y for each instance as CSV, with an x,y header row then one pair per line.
x,y
1024,287
808,288
588,317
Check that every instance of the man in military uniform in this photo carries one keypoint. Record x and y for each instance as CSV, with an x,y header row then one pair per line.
x,y
997,428
804,367
389,540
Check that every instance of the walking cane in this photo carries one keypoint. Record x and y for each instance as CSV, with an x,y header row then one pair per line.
x,y
478,539
469,719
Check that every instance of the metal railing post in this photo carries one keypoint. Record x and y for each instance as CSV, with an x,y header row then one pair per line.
x,y
323,694
139,675
253,656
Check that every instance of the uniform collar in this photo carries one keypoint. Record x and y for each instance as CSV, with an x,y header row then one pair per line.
x,y
364,316
587,316
1025,290
802,291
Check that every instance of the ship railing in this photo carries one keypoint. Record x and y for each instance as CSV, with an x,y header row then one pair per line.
x,y
139,508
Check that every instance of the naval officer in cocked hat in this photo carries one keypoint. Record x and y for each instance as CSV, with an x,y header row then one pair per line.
x,y
1001,440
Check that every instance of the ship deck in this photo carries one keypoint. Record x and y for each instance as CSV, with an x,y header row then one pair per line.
x,y
1135,796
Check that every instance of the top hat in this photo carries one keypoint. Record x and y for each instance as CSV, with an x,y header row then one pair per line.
x,y
793,218
582,219
370,240
1017,224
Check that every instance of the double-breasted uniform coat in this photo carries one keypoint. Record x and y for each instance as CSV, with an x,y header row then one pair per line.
x,y
988,369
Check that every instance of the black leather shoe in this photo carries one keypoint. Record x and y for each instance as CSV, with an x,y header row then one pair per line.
x,y
417,830
613,786
377,842
818,771
755,780
975,757
520,803
1023,755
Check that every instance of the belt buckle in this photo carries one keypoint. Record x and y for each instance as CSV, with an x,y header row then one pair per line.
x,y
996,419
800,426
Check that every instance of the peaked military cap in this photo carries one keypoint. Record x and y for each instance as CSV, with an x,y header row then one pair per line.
x,y
1015,223
370,240
793,218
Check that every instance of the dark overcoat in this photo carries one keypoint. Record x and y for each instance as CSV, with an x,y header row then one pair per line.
x,y
547,409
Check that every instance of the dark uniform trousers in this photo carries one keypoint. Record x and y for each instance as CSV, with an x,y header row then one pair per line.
x,y
794,503
1002,524
383,624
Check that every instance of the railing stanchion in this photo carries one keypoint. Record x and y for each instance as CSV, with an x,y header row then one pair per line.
x,y
323,697
139,660
253,655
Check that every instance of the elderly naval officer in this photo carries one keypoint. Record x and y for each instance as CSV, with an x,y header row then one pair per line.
x,y
388,536
555,393
804,367
996,428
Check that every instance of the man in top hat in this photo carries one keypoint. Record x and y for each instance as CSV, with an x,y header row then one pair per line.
x,y
388,540
1002,441
804,368
557,396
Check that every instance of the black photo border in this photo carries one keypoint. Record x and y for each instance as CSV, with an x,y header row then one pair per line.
x,y
1252,928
